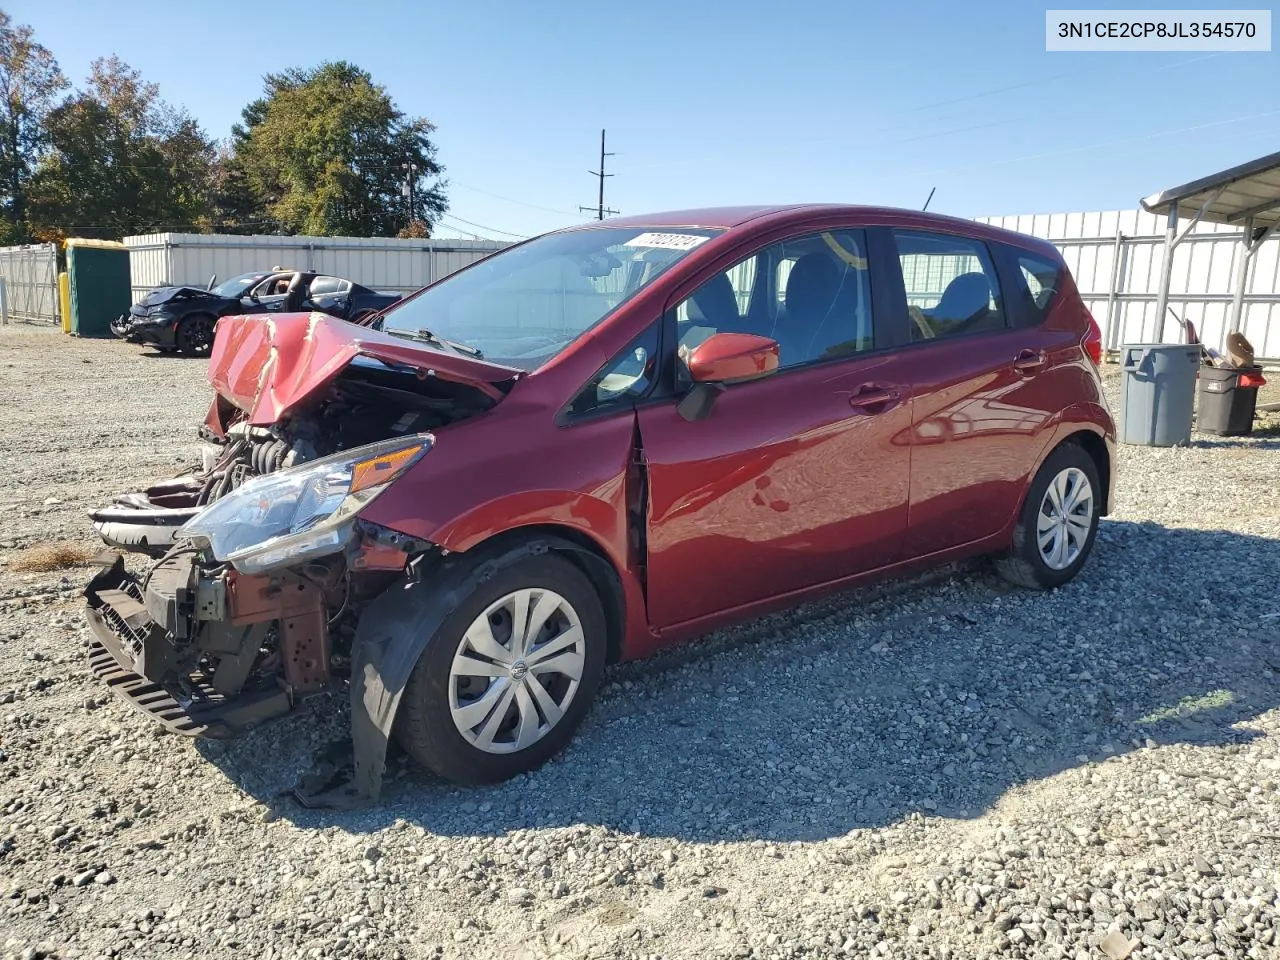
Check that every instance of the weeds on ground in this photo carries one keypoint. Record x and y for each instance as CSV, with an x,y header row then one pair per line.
x,y
44,557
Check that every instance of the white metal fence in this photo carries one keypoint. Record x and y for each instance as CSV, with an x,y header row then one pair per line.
x,y
394,265
30,275
1115,258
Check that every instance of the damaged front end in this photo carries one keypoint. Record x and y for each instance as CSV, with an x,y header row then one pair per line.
x,y
255,608
208,651
292,389
265,564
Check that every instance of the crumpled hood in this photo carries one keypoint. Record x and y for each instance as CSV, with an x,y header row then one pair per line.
x,y
165,294
270,365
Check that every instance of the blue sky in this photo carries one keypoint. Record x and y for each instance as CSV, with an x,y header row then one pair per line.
x,y
712,103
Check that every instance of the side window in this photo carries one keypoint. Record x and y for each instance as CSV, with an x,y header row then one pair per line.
x,y
811,294
628,376
951,285
1041,275
321,286
267,288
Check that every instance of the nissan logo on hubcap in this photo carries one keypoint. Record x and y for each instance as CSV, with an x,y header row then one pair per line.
x,y
518,670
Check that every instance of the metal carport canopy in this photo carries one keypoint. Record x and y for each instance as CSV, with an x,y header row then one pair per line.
x,y
1248,195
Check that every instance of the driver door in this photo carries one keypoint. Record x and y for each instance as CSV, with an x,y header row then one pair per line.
x,y
793,480
267,296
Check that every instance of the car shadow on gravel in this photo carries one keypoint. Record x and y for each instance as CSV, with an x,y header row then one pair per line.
x,y
936,695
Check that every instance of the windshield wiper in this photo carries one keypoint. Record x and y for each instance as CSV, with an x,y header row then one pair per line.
x,y
426,336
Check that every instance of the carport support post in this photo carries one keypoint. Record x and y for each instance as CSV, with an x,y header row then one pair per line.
x,y
1119,253
1171,240
1166,273
1247,249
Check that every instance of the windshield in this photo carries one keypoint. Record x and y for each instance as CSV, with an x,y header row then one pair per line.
x,y
524,305
236,287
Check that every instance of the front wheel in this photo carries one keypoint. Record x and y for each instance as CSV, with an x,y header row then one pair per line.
x,y
505,681
1058,524
194,335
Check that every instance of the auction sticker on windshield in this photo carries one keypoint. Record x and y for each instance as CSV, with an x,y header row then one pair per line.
x,y
666,241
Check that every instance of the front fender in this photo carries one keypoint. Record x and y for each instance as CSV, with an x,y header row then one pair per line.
x,y
393,632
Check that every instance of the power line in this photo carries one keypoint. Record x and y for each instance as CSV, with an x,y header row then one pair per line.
x,y
481,226
519,203
1106,143
994,91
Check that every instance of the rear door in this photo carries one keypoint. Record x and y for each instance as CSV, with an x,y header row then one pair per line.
x,y
793,480
331,295
980,402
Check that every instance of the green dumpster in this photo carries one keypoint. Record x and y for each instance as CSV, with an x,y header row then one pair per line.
x,y
98,272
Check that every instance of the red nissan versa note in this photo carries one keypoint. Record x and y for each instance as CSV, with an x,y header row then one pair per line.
x,y
592,445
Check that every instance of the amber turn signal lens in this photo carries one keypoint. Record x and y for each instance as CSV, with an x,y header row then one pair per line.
x,y
383,469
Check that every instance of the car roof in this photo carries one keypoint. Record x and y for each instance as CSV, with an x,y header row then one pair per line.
x,y
729,217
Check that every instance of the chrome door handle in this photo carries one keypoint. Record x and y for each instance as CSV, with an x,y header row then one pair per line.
x,y
871,399
1029,361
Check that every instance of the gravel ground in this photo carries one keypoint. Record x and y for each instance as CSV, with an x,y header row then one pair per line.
x,y
941,768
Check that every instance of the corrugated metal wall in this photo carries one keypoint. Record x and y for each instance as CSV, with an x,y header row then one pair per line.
x,y
30,275
384,264
1115,257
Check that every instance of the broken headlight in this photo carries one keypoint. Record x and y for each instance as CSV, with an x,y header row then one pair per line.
x,y
302,513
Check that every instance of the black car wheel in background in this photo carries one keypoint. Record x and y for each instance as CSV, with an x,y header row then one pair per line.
x,y
194,335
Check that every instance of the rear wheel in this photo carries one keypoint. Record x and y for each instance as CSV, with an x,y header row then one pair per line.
x,y
509,675
194,335
1059,521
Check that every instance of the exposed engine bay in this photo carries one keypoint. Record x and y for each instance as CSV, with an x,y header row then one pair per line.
x,y
369,401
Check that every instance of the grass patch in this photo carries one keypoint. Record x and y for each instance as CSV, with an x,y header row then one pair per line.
x,y
1190,705
44,557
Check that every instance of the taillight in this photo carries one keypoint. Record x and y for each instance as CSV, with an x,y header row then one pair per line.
x,y
1092,342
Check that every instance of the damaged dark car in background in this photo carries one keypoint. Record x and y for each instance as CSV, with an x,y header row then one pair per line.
x,y
590,446
182,319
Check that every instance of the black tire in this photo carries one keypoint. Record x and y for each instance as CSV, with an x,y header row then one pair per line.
x,y
424,723
194,336
1024,564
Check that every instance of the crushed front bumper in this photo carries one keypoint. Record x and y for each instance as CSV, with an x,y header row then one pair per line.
x,y
208,654
132,328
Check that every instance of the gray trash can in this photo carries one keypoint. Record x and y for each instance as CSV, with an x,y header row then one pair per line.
x,y
1157,394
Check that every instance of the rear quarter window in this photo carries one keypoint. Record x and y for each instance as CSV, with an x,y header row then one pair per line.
x,y
1040,277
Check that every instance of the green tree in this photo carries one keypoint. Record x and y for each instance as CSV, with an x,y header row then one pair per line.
x,y
324,152
235,207
120,161
30,82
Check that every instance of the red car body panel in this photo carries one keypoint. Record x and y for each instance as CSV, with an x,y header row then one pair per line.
x,y
269,365
781,494
576,482
790,487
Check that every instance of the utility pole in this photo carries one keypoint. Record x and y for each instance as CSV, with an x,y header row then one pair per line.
x,y
410,175
600,208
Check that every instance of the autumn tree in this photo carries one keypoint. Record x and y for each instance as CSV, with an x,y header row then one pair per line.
x,y
120,161
324,151
30,82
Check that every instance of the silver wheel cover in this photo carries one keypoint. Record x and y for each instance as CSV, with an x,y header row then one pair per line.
x,y
516,670
1065,518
